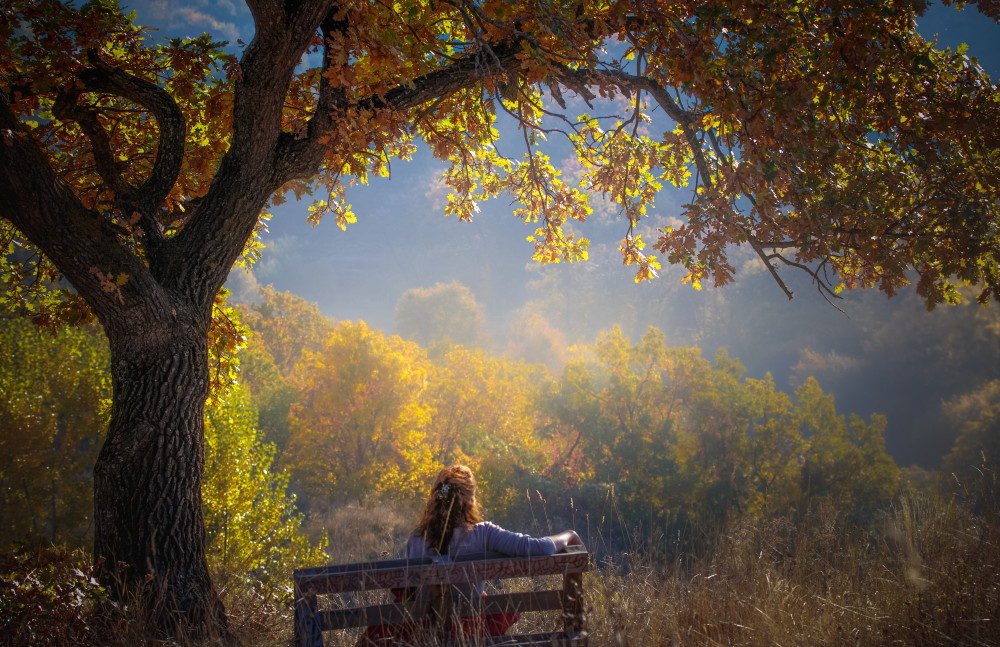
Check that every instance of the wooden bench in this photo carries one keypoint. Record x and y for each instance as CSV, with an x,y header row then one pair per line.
x,y
441,603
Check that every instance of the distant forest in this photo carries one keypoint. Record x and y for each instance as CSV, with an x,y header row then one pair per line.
x,y
308,412
887,356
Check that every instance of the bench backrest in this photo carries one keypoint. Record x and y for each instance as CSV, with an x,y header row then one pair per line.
x,y
438,577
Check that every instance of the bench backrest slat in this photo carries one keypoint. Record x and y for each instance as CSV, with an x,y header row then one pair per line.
x,y
520,602
373,575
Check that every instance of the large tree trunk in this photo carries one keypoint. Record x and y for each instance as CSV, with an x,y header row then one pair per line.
x,y
149,528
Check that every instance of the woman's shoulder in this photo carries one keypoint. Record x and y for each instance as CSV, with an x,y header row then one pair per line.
x,y
487,525
488,529
484,528
415,545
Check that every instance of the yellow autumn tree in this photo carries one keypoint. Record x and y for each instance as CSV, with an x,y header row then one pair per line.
x,y
647,394
286,325
484,415
54,404
533,338
678,438
772,459
975,417
360,424
441,317
743,445
283,326
253,529
845,461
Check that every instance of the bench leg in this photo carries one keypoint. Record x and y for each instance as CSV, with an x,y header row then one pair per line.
x,y
307,629
573,618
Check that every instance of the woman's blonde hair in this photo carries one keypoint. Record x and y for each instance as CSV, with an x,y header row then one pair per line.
x,y
452,505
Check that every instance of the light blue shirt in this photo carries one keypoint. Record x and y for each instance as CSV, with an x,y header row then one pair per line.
x,y
485,537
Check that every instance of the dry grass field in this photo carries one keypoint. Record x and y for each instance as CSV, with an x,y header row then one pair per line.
x,y
927,574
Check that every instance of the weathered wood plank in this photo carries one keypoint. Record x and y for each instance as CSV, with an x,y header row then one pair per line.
x,y
377,614
521,602
308,631
572,599
375,575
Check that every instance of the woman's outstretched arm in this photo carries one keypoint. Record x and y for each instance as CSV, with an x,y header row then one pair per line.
x,y
564,539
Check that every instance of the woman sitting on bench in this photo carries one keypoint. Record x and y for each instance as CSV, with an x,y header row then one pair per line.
x,y
452,525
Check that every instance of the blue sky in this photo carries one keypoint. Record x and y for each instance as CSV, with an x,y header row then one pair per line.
x,y
402,241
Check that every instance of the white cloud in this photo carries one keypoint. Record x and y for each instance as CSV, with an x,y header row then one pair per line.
x,y
225,5
437,191
244,286
201,19
158,9
751,267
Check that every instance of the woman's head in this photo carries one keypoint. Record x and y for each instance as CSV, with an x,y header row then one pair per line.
x,y
452,505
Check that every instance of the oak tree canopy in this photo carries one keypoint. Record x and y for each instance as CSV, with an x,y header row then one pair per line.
x,y
829,137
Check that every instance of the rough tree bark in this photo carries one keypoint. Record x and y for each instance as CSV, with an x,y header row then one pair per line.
x,y
148,516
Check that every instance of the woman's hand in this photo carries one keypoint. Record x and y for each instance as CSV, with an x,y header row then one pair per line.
x,y
564,539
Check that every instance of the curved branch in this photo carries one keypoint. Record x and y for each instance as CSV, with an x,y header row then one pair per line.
x,y
170,146
301,158
66,109
105,78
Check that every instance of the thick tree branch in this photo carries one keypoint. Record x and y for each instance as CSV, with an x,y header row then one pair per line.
x,y
267,68
80,242
202,253
267,15
331,99
302,158
169,118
